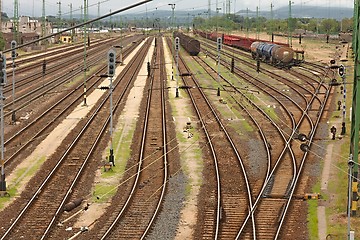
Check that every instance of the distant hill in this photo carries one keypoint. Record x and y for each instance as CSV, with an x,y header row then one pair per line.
x,y
303,12
183,17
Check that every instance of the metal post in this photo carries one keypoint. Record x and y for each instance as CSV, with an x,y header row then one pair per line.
x,y
71,23
289,27
2,179
272,22
343,128
43,19
218,68
217,12
177,73
85,38
121,46
13,115
172,30
257,23
111,157
351,165
355,114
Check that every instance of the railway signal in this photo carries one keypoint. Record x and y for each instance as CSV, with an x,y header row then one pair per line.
x,y
111,72
177,42
232,65
219,43
13,56
44,67
13,50
341,70
3,69
111,62
2,84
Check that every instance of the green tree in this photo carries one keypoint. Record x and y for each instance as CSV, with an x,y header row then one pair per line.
x,y
347,24
2,42
329,26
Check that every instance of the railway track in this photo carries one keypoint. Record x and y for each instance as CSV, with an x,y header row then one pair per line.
x,y
62,174
139,212
35,86
227,187
35,130
278,205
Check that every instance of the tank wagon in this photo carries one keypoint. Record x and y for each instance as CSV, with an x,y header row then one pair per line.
x,y
191,45
273,54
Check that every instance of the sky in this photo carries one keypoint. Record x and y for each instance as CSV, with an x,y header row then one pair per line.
x,y
34,7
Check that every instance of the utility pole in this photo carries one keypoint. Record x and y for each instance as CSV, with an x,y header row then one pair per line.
x,y
121,45
217,17
257,22
99,16
227,7
289,27
209,8
272,22
85,38
59,15
355,115
172,30
43,25
71,22
16,21
247,22
0,16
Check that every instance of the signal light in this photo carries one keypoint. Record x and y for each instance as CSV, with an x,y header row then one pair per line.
x,y
177,41
232,65
111,62
13,51
2,69
341,70
44,67
219,43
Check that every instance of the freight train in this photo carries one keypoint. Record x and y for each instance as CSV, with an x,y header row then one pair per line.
x,y
275,53
191,45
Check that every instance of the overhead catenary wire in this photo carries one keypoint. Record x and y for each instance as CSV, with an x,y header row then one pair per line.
x,y
80,25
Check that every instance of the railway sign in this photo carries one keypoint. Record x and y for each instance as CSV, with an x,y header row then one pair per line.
x,y
2,69
111,62
341,70
219,43
177,42
13,50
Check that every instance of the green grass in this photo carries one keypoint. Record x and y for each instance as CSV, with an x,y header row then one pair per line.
x,y
103,192
312,215
20,175
103,189
80,77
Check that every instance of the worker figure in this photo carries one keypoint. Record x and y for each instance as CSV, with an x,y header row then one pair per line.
x,y
333,131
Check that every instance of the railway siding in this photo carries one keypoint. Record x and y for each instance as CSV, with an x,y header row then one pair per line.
x,y
125,126
55,138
